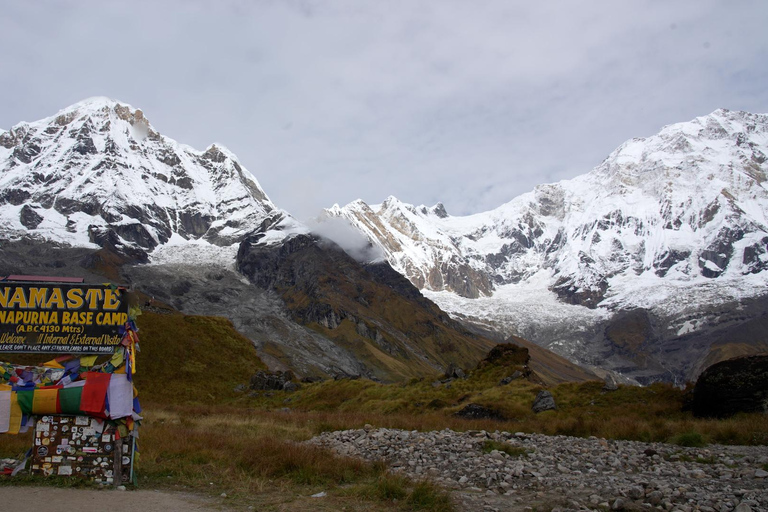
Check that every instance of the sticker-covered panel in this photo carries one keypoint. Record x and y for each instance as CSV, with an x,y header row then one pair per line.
x,y
79,446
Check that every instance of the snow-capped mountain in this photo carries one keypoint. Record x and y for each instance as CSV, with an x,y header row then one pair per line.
x,y
96,191
670,224
98,173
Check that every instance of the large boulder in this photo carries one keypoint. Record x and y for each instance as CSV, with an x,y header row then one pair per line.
x,y
735,385
544,402
454,372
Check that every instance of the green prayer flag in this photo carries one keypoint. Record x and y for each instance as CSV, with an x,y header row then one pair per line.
x,y
69,400
25,399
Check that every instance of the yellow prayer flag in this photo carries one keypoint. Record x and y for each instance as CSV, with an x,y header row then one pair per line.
x,y
53,364
117,358
15,422
88,360
44,401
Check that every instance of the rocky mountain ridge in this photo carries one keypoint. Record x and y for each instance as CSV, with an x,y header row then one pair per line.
x,y
97,173
96,190
675,224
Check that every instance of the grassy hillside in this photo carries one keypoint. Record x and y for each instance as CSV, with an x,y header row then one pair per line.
x,y
192,359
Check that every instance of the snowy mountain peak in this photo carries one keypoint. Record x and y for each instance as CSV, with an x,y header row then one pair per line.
x,y
690,202
97,172
673,226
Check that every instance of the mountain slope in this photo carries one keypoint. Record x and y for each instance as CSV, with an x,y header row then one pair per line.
x,y
95,189
371,311
675,224
98,173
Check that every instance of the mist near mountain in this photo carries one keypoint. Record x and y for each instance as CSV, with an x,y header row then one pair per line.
x,y
352,241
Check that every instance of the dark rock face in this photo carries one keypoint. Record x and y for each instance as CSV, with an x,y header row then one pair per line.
x,y
735,385
569,290
667,260
479,412
262,380
29,217
34,258
363,308
269,380
14,196
544,402
719,254
506,354
753,256
108,239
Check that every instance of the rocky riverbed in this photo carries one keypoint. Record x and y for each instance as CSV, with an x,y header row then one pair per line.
x,y
567,473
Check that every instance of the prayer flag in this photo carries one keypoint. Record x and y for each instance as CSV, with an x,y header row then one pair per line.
x,y
45,400
94,393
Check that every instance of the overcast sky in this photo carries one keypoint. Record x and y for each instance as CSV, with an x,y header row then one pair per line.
x,y
466,102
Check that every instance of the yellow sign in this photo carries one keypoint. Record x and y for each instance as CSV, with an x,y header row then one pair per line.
x,y
74,318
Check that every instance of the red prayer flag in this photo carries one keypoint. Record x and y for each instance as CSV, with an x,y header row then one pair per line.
x,y
94,393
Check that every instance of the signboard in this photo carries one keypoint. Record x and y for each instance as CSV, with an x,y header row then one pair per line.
x,y
61,318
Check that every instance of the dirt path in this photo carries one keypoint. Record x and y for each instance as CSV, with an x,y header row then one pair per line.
x,y
94,500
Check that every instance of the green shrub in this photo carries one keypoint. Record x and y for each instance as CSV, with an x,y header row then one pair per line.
x,y
690,440
391,487
427,496
512,451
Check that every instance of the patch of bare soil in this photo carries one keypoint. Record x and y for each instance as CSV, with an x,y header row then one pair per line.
x,y
95,500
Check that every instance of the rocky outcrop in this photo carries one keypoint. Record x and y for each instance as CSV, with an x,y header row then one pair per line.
x,y
264,380
364,308
506,354
544,401
454,372
29,218
479,412
103,159
733,386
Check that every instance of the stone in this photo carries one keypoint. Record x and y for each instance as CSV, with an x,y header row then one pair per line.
x,y
291,387
654,497
610,383
454,372
544,402
596,469
517,374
